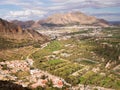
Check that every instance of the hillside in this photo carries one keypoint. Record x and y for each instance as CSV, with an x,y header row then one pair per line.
x,y
10,30
73,18
12,36
7,28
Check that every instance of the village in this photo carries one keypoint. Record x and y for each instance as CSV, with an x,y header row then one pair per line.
x,y
34,78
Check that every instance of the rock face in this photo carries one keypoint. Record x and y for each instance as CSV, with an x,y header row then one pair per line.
x,y
12,31
7,28
73,18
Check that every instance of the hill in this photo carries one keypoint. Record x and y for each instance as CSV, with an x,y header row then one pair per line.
x,y
73,18
10,30
12,36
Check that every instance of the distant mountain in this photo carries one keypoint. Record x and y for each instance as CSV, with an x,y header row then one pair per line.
x,y
63,19
116,23
24,24
73,18
27,24
12,31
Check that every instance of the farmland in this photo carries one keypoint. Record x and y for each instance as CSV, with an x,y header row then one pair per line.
x,y
88,61
90,58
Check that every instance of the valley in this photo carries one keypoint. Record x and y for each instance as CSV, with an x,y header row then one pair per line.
x,y
65,51
88,60
85,59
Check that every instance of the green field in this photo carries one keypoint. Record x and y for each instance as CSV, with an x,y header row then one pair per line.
x,y
77,58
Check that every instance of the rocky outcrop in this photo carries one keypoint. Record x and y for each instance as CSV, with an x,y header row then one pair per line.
x,y
12,31
9,28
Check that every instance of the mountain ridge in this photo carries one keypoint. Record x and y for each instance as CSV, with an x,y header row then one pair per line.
x,y
13,31
74,18
63,19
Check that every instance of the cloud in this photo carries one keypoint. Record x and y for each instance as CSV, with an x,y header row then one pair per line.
x,y
88,3
41,8
25,14
23,3
106,14
71,5
61,3
110,17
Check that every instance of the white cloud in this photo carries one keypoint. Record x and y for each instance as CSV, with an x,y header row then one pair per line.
x,y
110,17
22,3
39,8
88,3
25,14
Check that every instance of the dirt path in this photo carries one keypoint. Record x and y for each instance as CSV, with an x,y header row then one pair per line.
x,y
28,56
42,46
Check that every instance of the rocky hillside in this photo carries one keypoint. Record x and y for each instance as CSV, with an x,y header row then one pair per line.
x,y
9,28
73,18
12,31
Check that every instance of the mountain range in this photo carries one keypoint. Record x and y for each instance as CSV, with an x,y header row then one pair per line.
x,y
13,31
116,23
22,30
63,19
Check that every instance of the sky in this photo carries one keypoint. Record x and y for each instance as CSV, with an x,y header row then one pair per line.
x,y
39,9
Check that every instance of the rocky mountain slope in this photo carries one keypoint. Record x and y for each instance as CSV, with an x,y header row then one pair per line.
x,y
12,31
73,18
